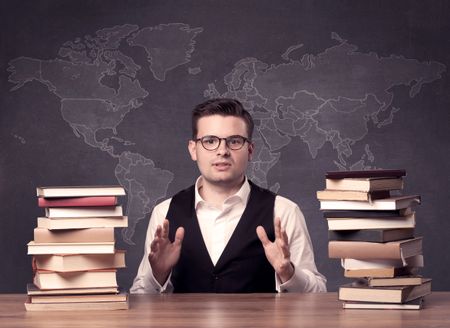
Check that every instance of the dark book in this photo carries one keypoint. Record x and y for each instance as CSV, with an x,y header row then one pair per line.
x,y
366,214
372,235
365,174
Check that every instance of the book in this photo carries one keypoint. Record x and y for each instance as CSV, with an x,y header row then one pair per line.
x,y
367,214
379,173
79,279
378,272
386,268
79,223
329,194
367,250
413,261
83,306
83,212
392,203
406,280
80,262
78,201
371,235
393,294
33,290
416,304
42,235
79,191
45,299
364,184
404,222
70,248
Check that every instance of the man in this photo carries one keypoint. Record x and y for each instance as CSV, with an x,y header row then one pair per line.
x,y
225,234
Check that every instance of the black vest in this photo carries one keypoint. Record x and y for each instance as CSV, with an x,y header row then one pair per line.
x,y
242,267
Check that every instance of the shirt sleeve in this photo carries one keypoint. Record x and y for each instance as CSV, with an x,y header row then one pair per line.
x,y
306,278
145,282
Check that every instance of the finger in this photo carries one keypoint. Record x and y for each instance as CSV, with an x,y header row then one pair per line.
x,y
179,236
154,246
277,225
165,229
285,237
158,231
262,235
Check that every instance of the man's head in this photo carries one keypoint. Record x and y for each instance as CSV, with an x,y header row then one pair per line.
x,y
221,143
223,107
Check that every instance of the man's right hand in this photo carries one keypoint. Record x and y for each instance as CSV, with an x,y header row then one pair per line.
x,y
164,254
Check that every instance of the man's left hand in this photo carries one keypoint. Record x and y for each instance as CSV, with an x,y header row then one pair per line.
x,y
277,252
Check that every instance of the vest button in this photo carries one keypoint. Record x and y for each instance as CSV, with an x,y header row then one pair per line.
x,y
216,277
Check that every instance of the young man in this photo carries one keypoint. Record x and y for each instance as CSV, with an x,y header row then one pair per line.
x,y
225,234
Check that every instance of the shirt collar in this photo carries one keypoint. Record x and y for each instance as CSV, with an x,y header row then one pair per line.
x,y
242,194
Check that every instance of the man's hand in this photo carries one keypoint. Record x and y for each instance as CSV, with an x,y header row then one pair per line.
x,y
277,252
164,254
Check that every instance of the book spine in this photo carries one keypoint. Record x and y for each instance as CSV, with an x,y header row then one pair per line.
x,y
77,201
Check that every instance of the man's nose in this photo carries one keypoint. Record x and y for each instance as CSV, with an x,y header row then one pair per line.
x,y
223,148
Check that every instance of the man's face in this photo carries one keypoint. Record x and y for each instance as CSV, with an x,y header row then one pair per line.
x,y
223,166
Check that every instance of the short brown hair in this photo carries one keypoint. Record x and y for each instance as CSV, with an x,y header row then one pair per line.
x,y
224,107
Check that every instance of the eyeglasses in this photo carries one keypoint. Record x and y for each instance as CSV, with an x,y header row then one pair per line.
x,y
213,142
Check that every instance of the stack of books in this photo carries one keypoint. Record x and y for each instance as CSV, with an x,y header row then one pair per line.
x,y
74,255
371,229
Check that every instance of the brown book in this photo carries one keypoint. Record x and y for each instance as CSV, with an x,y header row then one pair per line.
x,y
364,184
70,248
329,194
368,250
83,306
34,290
377,272
79,191
407,280
80,279
45,299
80,262
393,294
81,223
42,235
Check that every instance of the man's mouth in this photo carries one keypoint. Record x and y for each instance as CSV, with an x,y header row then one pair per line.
x,y
221,164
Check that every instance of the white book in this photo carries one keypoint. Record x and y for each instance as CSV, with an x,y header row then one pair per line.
x,y
80,223
408,221
392,203
79,191
70,248
84,212
355,264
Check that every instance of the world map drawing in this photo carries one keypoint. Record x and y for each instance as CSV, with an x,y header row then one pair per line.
x,y
329,98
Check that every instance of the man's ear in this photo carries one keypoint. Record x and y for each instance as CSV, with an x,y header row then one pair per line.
x,y
251,148
192,147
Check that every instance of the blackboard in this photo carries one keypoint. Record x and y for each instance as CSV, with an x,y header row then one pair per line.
x,y
100,92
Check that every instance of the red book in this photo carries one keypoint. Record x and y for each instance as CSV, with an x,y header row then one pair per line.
x,y
77,201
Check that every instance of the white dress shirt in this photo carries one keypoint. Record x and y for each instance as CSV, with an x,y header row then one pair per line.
x,y
218,224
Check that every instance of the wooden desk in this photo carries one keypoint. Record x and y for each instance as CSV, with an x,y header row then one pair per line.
x,y
221,310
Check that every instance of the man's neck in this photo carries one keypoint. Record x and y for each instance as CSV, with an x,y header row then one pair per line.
x,y
216,193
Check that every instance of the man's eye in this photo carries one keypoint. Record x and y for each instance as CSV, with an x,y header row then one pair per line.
x,y
235,141
209,141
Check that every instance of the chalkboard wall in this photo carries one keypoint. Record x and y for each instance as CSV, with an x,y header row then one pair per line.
x,y
100,92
